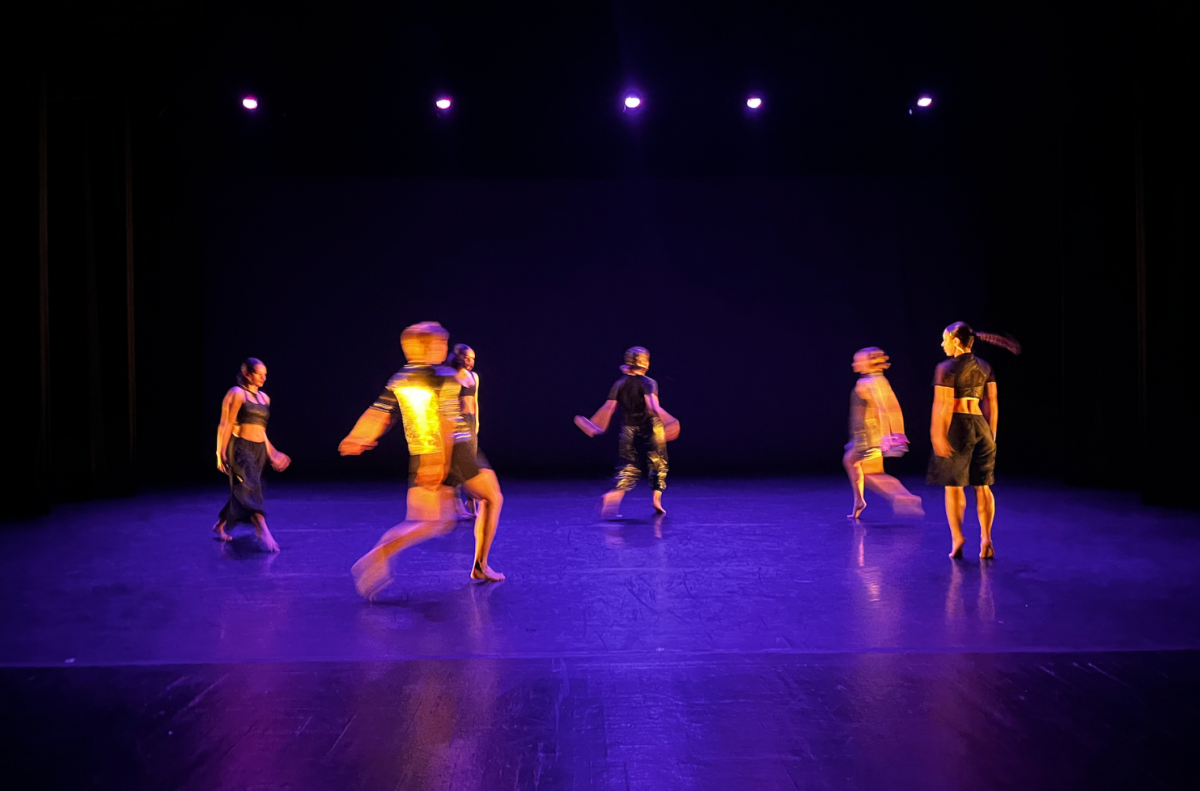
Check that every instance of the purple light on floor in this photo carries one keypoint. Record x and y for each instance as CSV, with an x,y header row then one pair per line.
x,y
754,102
250,103
443,103
632,102
924,101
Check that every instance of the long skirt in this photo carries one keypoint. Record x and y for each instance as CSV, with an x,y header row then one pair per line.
x,y
246,462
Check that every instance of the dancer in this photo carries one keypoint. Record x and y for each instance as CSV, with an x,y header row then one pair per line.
x,y
243,450
462,360
876,431
645,429
963,430
424,397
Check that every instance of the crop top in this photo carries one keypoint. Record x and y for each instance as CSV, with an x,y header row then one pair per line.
x,y
253,414
967,374
470,391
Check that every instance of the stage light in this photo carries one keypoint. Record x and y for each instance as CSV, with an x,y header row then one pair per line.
x,y
443,103
924,101
250,103
632,102
754,102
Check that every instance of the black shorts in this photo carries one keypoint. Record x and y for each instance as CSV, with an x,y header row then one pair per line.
x,y
465,463
973,461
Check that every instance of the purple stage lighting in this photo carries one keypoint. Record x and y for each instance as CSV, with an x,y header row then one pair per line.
x,y
250,103
632,102
754,102
924,101
443,103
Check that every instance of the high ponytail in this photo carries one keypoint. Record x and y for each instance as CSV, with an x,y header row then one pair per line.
x,y
966,336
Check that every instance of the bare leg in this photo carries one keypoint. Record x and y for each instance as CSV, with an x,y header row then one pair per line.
x,y
658,506
485,488
610,503
429,515
903,501
956,506
219,529
985,506
264,533
854,471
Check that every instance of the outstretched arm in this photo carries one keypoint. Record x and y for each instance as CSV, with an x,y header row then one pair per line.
x,y
599,422
939,422
655,407
372,425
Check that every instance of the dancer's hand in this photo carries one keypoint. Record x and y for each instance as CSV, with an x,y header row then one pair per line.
x,y
941,446
280,462
587,426
354,447
222,464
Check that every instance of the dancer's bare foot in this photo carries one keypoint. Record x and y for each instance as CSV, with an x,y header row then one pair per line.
x,y
268,541
461,511
610,504
956,551
485,573
859,506
221,535
658,506
909,507
986,551
371,576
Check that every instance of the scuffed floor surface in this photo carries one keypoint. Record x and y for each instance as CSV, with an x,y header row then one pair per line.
x,y
753,638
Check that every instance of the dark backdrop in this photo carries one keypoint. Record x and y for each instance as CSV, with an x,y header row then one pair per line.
x,y
1054,170
752,295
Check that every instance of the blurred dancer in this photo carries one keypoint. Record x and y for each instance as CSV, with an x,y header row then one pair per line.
x,y
876,430
963,430
424,397
645,429
462,360
243,450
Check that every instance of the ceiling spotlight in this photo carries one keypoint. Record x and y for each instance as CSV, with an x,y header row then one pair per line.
x,y
754,102
632,102
925,101
443,103
250,103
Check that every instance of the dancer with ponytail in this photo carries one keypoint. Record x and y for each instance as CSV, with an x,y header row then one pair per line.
x,y
645,430
243,450
876,431
462,360
424,397
966,411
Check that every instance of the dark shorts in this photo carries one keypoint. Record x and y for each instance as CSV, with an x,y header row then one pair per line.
x,y
973,462
466,461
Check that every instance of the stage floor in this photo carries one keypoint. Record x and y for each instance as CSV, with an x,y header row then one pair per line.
x,y
752,638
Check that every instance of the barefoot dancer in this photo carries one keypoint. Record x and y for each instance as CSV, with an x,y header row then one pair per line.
x,y
462,360
645,429
424,398
963,431
243,450
876,430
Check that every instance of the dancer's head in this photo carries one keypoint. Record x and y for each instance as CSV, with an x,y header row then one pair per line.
x,y
637,360
425,343
871,360
463,358
958,339
252,373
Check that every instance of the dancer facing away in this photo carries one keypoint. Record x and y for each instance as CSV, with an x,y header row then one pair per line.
x,y
876,431
424,397
966,411
462,360
243,450
645,429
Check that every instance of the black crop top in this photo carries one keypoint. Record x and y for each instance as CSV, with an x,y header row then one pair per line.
x,y
967,374
253,414
470,391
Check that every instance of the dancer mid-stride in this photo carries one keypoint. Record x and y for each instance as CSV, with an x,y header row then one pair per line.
x,y
424,397
966,411
645,430
876,431
243,450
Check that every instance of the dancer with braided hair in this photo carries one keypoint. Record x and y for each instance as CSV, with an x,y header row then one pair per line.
x,y
876,431
966,412
645,430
